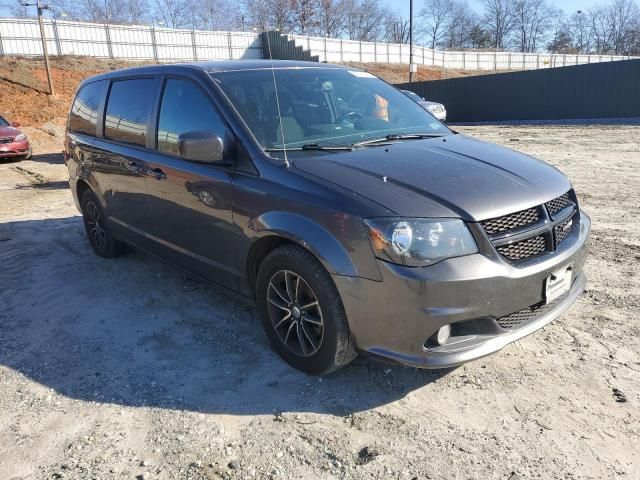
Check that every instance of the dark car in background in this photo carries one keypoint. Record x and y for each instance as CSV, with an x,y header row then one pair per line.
x,y
355,220
434,108
13,142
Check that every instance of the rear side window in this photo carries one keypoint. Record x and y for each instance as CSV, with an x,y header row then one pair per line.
x,y
185,108
129,109
84,111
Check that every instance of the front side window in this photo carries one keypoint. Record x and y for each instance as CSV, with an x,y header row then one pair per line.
x,y
84,111
323,106
129,109
185,109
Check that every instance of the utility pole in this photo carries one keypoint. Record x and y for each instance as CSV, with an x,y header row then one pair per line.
x,y
41,6
412,67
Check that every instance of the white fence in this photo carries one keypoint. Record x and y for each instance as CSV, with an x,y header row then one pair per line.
x,y
338,50
140,42
132,42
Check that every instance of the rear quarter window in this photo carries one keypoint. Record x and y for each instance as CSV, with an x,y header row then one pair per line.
x,y
128,110
84,111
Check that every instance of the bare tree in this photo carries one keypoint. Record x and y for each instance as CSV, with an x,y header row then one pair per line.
x,y
600,29
257,14
479,37
330,18
281,17
364,19
498,16
304,15
532,20
460,25
561,35
174,13
113,11
579,30
434,16
624,18
396,29
214,15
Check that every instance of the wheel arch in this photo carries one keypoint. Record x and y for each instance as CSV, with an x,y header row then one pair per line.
x,y
82,186
278,228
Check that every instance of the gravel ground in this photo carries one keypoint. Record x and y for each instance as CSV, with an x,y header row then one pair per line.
x,y
130,369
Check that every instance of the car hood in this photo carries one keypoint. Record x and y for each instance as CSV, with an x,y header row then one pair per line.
x,y
9,132
452,176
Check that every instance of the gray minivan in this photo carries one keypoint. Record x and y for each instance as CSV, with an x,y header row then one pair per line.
x,y
355,219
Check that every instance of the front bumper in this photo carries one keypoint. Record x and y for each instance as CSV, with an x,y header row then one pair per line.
x,y
15,149
395,318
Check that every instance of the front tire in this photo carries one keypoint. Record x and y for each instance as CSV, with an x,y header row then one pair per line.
x,y
103,243
302,312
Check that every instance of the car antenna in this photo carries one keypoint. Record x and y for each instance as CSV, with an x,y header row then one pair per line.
x,y
275,86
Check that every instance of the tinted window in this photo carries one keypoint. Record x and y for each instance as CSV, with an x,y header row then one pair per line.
x,y
84,112
128,110
185,108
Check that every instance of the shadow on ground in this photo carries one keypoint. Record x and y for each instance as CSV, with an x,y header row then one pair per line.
x,y
134,331
53,158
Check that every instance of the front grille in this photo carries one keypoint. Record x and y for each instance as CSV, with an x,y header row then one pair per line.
x,y
6,140
563,230
509,233
513,221
526,315
557,204
524,249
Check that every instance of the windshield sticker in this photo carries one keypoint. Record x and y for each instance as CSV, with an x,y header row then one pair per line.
x,y
356,73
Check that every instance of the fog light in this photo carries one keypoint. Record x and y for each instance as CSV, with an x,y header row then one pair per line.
x,y
443,334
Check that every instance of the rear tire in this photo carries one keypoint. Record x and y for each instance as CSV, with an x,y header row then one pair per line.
x,y
103,243
302,312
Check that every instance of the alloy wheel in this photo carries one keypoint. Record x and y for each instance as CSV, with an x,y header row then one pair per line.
x,y
97,233
295,313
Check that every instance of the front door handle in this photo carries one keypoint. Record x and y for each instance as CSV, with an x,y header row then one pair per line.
x,y
156,173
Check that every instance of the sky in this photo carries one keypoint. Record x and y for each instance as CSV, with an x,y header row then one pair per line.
x,y
402,6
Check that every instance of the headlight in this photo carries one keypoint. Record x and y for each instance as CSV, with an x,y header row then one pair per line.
x,y
21,137
435,108
419,242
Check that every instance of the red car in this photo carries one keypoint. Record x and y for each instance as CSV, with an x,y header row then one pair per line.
x,y
13,143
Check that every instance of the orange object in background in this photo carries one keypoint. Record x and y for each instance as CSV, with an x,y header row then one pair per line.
x,y
382,108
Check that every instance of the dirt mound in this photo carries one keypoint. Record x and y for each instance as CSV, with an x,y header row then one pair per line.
x,y
24,94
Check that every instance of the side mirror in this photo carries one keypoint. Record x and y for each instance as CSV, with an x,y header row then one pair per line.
x,y
15,124
205,147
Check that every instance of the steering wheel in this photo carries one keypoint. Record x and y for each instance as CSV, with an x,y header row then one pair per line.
x,y
344,116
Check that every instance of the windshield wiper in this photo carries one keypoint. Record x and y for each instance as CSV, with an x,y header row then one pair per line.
x,y
396,136
310,146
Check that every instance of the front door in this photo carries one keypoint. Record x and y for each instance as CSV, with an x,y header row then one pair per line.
x,y
191,201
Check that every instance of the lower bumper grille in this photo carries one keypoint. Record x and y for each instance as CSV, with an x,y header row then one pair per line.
x,y
527,315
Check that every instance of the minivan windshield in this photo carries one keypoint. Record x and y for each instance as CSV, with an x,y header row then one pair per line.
x,y
323,107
